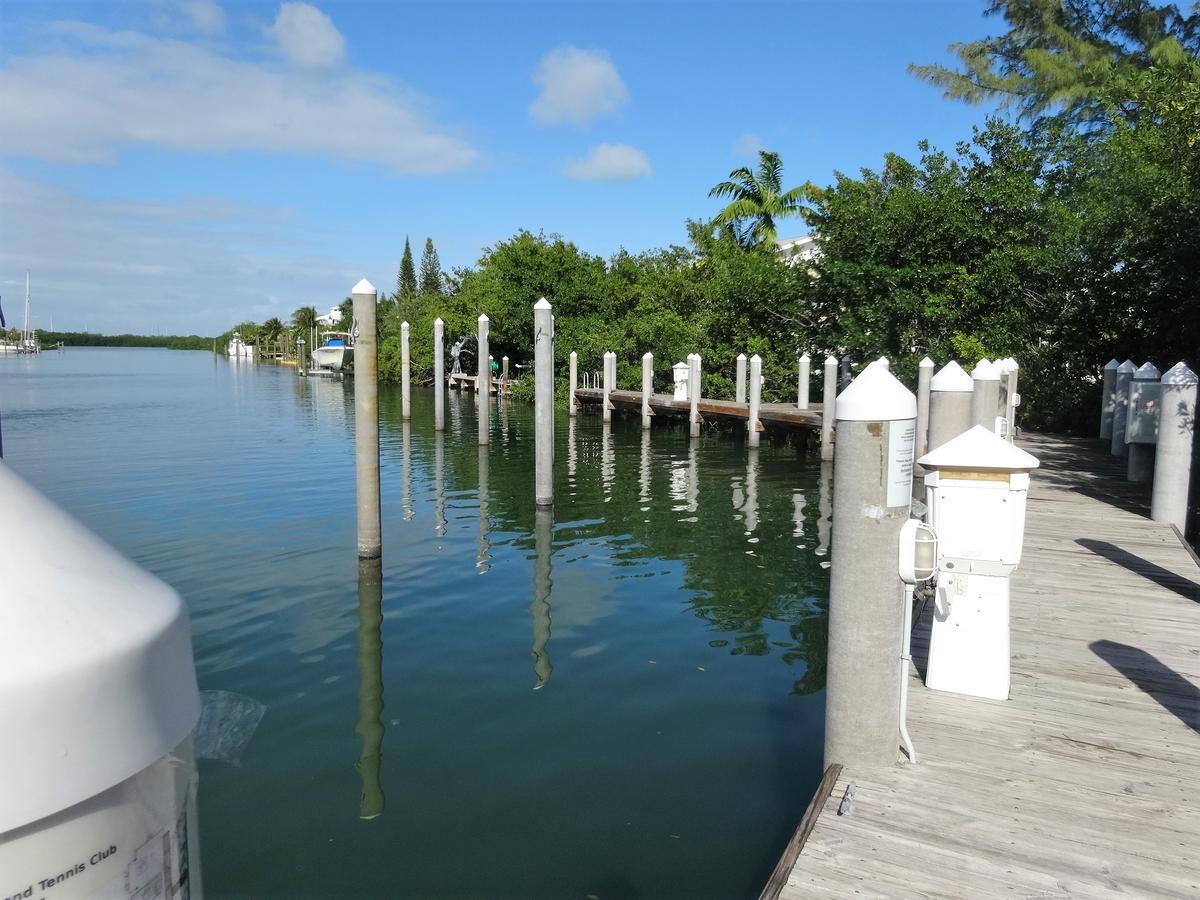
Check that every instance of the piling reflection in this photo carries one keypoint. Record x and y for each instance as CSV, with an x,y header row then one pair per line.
x,y
751,507
693,475
572,454
406,501
483,551
608,465
644,473
543,532
824,507
799,501
370,685
439,483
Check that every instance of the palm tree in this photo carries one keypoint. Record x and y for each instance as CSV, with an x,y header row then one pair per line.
x,y
271,328
304,319
757,200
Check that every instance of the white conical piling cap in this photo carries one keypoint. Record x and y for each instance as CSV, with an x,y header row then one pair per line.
x,y
1110,365
1147,372
926,363
542,304
483,319
741,356
364,287
883,361
1127,366
647,355
404,326
804,357
985,371
875,396
1179,374
573,355
756,358
438,321
952,377
831,361
979,448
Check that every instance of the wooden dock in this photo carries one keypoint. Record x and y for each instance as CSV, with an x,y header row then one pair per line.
x,y
1086,782
784,415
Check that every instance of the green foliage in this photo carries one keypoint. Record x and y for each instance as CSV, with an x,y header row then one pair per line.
x,y
431,270
89,339
406,278
757,200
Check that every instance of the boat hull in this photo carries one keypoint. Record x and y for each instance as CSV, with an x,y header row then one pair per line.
x,y
334,358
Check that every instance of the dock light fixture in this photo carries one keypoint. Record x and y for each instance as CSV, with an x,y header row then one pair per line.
x,y
917,563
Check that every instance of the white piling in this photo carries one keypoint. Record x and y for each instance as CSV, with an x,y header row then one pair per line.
x,y
1106,399
828,401
1176,433
986,396
504,370
739,395
483,378
950,394
366,422
694,384
755,394
609,369
883,362
301,361
405,372
572,381
876,428
924,377
1012,398
844,374
1142,413
543,403
439,375
802,387
647,388
1124,375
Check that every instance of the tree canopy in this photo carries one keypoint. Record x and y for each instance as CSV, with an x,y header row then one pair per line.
x,y
757,200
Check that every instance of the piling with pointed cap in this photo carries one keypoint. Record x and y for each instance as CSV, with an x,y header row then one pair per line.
x,y
439,375
883,361
301,362
752,425
1107,399
829,398
844,373
483,381
872,492
1176,434
1141,421
950,393
1120,411
739,394
1012,397
647,388
543,403
694,377
572,381
405,373
366,421
504,368
608,386
986,396
802,382
924,377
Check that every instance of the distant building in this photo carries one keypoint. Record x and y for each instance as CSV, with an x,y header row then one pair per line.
x,y
331,318
795,250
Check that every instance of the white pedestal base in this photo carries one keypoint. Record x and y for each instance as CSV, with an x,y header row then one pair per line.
x,y
969,643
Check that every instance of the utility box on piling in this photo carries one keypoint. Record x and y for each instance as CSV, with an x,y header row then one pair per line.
x,y
1145,394
98,702
680,372
975,489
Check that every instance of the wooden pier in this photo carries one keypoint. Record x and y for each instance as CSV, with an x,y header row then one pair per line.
x,y
1086,782
784,415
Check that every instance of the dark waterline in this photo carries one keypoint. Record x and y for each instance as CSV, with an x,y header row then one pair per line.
x,y
625,701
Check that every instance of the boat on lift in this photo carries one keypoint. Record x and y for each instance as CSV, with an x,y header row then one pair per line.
x,y
336,351
239,349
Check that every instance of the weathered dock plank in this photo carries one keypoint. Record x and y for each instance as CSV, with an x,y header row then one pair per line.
x,y
780,414
1086,782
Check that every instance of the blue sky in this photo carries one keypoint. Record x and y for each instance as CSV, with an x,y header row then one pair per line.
x,y
181,165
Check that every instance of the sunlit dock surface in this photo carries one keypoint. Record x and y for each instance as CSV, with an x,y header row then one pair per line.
x,y
1086,782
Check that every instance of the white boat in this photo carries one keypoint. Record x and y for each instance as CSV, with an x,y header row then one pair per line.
x,y
336,351
239,349
28,340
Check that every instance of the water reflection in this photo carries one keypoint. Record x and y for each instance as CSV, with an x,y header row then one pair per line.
x,y
799,501
543,530
751,507
572,454
693,475
405,472
483,550
825,507
439,483
370,685
644,473
608,465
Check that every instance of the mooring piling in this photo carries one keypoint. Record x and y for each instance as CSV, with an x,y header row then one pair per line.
x,y
802,386
985,399
483,378
739,394
543,403
828,399
1120,407
694,376
606,406
1109,384
647,388
752,424
504,370
543,534
405,372
439,375
1141,426
1176,433
950,393
301,362
924,377
572,382
876,429
1012,398
366,421
844,374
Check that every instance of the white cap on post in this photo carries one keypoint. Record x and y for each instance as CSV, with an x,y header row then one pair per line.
x,y
1147,372
951,377
876,395
1127,366
926,363
985,371
1111,365
364,287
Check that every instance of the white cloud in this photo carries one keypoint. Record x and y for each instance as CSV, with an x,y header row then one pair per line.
x,y
748,145
203,16
609,162
82,106
306,36
195,266
577,86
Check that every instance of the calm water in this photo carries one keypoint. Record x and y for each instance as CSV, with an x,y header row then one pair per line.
x,y
625,700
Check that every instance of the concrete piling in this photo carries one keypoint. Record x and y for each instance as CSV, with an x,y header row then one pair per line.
x,y
1141,417
755,394
802,386
504,370
543,534
739,394
301,359
1012,398
609,371
405,372
647,388
844,374
924,377
366,422
694,376
827,403
483,378
543,404
370,686
1108,384
439,375
876,428
1120,411
985,399
1176,434
572,381
950,393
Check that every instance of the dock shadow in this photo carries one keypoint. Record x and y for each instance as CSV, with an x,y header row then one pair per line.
x,y
1172,581
1171,690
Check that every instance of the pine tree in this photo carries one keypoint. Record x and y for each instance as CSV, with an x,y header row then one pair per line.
x,y
406,278
431,270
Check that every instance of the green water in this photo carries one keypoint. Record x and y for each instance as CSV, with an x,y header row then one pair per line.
x,y
623,700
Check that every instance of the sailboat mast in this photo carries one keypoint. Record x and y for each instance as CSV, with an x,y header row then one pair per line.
x,y
25,333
